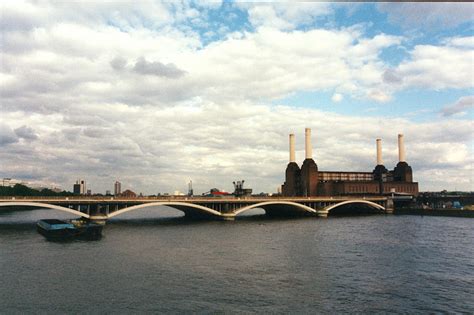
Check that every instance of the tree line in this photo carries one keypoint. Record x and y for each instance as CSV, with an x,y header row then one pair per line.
x,y
22,190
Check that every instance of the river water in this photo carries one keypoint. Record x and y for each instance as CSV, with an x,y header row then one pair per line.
x,y
152,261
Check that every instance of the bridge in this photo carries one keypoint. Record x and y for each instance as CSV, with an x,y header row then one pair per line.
x,y
104,208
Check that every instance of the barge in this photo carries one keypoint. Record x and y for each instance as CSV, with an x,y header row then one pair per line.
x,y
55,229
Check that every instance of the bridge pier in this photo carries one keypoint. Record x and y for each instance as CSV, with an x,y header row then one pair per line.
x,y
323,213
227,217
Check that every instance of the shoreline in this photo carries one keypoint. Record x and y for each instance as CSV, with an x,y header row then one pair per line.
x,y
436,212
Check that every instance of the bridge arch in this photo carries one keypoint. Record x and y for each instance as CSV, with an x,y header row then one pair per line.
x,y
42,205
278,205
187,208
355,201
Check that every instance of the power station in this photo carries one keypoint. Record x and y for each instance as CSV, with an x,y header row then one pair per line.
x,y
308,181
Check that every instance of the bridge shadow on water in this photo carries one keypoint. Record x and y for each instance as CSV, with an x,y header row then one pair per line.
x,y
352,211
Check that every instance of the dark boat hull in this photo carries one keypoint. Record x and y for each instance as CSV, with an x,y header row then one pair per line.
x,y
58,234
62,230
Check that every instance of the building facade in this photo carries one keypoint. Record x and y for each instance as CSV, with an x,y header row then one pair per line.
x,y
79,187
309,181
117,188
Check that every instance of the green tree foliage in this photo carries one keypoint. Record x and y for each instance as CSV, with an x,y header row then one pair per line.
x,y
22,190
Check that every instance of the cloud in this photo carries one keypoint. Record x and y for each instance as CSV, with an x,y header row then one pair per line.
x,y
462,104
26,132
391,77
436,67
157,68
135,95
337,97
379,96
427,15
462,42
216,144
118,63
7,136
285,16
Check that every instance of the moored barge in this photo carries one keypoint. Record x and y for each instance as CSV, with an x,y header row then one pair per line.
x,y
55,229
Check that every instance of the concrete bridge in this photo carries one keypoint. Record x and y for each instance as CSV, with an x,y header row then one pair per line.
x,y
103,208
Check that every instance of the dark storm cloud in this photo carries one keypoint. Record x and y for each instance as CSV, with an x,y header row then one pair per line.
x,y
157,68
26,132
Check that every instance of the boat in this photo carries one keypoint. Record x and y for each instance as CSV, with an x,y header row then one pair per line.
x,y
55,229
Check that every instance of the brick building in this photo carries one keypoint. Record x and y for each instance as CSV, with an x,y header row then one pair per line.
x,y
309,181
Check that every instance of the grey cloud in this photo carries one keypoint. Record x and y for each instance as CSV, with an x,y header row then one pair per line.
x,y
7,136
157,68
433,15
118,63
390,76
462,104
26,132
95,132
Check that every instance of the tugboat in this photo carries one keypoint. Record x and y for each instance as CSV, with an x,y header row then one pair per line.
x,y
54,229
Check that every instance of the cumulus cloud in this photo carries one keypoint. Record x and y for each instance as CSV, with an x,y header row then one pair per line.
x,y
285,15
461,105
437,67
128,94
157,68
215,144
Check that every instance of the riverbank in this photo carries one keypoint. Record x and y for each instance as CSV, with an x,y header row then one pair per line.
x,y
436,212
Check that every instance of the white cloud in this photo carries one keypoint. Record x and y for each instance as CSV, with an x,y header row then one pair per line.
x,y
337,97
285,15
435,67
69,82
159,149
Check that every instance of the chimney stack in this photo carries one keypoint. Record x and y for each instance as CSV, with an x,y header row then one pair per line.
x,y
308,148
292,148
401,148
379,152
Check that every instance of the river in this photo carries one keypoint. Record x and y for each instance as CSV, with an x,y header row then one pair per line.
x,y
153,261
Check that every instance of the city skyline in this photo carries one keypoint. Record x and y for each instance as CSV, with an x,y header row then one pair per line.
x,y
156,94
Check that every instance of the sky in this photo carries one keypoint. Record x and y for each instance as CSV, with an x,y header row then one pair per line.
x,y
155,94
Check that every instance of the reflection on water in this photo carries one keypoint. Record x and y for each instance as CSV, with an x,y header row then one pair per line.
x,y
156,261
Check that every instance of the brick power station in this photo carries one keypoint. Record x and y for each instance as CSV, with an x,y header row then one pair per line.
x,y
309,181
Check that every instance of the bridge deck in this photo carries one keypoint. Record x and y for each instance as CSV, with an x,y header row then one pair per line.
x,y
107,207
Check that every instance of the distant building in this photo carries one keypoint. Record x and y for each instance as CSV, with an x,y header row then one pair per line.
x,y
239,190
309,181
89,192
117,188
10,182
128,194
107,192
79,187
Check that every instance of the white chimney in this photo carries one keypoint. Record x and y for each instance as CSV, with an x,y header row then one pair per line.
x,y
292,148
379,152
308,148
401,148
